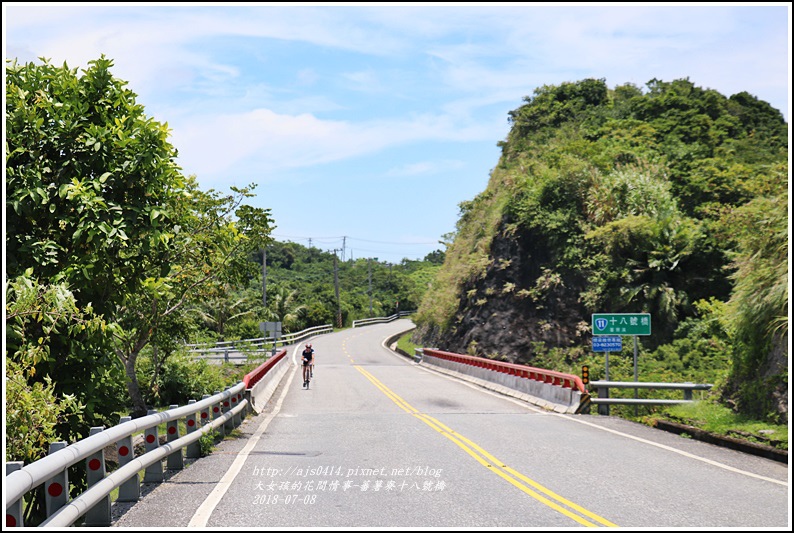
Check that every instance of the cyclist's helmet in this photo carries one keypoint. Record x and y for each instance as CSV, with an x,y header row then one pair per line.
x,y
308,345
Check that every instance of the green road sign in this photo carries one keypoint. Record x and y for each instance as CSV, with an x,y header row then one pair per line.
x,y
621,324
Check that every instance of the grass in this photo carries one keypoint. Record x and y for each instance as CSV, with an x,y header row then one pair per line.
x,y
720,420
404,343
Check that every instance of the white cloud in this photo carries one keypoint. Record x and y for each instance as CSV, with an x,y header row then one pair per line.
x,y
268,141
425,168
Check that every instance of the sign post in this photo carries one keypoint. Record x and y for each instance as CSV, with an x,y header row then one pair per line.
x,y
275,328
621,324
607,343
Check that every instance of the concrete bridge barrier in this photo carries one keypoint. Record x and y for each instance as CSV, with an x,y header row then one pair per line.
x,y
555,391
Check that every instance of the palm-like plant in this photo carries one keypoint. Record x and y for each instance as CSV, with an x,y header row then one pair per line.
x,y
284,308
654,277
220,309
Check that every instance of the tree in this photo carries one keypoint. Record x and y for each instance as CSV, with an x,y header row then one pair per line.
x,y
96,201
208,244
88,179
284,308
221,308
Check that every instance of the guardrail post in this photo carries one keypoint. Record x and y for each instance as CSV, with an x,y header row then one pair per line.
x,y
154,472
688,392
193,450
248,406
99,514
174,460
216,413
226,355
205,413
56,489
14,511
130,490
228,426
603,409
236,419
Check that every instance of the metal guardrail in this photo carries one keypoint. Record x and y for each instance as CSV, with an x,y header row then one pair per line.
x,y
222,411
604,401
381,319
225,350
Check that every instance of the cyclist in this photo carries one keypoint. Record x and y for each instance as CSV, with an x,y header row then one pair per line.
x,y
307,356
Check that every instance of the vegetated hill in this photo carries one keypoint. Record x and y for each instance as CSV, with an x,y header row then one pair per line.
x,y
670,201
308,287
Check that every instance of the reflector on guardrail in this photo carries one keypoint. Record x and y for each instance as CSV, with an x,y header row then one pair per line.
x,y
99,514
130,491
55,489
151,441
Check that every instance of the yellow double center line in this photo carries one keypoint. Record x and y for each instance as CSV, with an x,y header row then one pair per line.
x,y
493,464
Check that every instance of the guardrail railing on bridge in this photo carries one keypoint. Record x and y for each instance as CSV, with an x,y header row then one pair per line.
x,y
550,389
222,411
381,319
226,350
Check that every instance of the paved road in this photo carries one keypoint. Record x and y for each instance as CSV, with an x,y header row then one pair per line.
x,y
378,441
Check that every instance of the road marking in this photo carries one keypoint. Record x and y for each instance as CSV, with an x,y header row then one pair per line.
x,y
613,431
492,463
205,510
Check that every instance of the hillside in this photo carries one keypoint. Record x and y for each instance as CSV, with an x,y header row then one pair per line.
x,y
670,201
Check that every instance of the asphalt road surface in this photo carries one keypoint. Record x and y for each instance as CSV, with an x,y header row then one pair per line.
x,y
378,441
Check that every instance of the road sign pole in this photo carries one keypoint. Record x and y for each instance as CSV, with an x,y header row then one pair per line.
x,y
636,375
606,374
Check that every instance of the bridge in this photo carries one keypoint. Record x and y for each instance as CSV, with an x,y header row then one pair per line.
x,y
384,440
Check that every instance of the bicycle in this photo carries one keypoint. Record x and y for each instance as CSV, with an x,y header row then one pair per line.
x,y
307,373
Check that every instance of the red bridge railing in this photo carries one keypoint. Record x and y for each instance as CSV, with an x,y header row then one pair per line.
x,y
259,372
559,379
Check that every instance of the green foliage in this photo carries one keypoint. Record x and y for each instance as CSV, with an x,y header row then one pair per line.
x,y
404,343
179,379
301,293
95,200
760,299
33,412
42,405
758,308
87,177
634,201
207,442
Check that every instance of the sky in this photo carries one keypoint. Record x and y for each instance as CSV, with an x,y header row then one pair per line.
x,y
365,125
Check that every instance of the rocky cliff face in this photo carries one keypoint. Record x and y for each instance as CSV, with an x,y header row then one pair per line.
x,y
517,303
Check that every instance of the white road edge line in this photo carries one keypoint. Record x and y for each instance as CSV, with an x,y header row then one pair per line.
x,y
205,510
568,417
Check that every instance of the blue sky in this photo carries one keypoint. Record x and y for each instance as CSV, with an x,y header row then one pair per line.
x,y
372,122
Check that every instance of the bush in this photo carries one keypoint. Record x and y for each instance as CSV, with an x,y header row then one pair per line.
x,y
181,378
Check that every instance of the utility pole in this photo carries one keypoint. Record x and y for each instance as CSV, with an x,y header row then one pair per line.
x,y
369,275
343,248
264,278
336,290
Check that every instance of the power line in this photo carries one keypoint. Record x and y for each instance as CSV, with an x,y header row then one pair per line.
x,y
342,238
